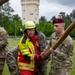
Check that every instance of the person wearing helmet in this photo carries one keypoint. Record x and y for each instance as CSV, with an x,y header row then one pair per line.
x,y
29,53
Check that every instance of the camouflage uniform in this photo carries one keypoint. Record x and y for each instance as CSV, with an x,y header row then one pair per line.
x,y
42,44
12,61
12,54
61,63
3,48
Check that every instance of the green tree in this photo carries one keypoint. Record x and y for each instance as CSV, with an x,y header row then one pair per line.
x,y
5,15
15,25
42,21
48,29
53,18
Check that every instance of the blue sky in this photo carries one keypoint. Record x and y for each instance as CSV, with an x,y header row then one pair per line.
x,y
47,8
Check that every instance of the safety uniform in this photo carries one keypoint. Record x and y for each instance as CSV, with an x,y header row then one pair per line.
x,y
13,54
28,48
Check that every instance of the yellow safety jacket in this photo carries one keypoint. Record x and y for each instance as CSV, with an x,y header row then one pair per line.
x,y
26,48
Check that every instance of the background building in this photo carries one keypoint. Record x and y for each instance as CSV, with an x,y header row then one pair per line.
x,y
30,10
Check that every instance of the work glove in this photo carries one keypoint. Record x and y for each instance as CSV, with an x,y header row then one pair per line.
x,y
40,57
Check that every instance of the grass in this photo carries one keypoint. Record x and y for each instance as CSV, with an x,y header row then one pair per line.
x,y
13,42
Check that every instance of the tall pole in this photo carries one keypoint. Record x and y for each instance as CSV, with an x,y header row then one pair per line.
x,y
15,29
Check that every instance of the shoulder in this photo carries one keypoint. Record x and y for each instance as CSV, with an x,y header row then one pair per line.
x,y
41,35
53,35
69,40
2,31
23,39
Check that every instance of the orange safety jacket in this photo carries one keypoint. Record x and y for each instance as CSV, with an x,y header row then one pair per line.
x,y
28,46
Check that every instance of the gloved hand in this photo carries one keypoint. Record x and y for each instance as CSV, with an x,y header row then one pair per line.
x,y
40,57
36,57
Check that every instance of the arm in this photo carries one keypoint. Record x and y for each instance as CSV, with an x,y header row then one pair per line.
x,y
65,49
3,38
42,45
64,52
42,42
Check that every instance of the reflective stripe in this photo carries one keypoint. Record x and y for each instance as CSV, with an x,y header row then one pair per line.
x,y
26,49
24,66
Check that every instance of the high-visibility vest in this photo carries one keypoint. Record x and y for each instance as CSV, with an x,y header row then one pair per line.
x,y
26,48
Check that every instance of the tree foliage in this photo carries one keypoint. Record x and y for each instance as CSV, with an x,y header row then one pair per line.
x,y
68,20
48,29
12,23
9,21
45,27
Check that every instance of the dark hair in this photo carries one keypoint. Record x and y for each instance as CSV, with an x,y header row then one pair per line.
x,y
25,31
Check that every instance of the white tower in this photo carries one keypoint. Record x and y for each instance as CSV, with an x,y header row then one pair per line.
x,y
30,11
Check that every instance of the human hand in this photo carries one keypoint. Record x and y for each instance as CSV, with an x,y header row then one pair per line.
x,y
40,57
53,51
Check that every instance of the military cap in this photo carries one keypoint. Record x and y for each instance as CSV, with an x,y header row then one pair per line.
x,y
58,20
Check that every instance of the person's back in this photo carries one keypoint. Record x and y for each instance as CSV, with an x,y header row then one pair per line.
x,y
3,48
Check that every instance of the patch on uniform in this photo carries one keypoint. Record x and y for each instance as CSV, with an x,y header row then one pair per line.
x,y
56,20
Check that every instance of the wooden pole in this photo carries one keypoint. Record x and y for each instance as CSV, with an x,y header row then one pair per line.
x,y
3,1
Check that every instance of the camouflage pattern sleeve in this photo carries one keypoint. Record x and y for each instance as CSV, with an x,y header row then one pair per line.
x,y
65,49
42,44
14,52
3,38
42,41
3,48
12,61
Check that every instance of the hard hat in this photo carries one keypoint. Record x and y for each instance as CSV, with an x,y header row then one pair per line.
x,y
29,25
